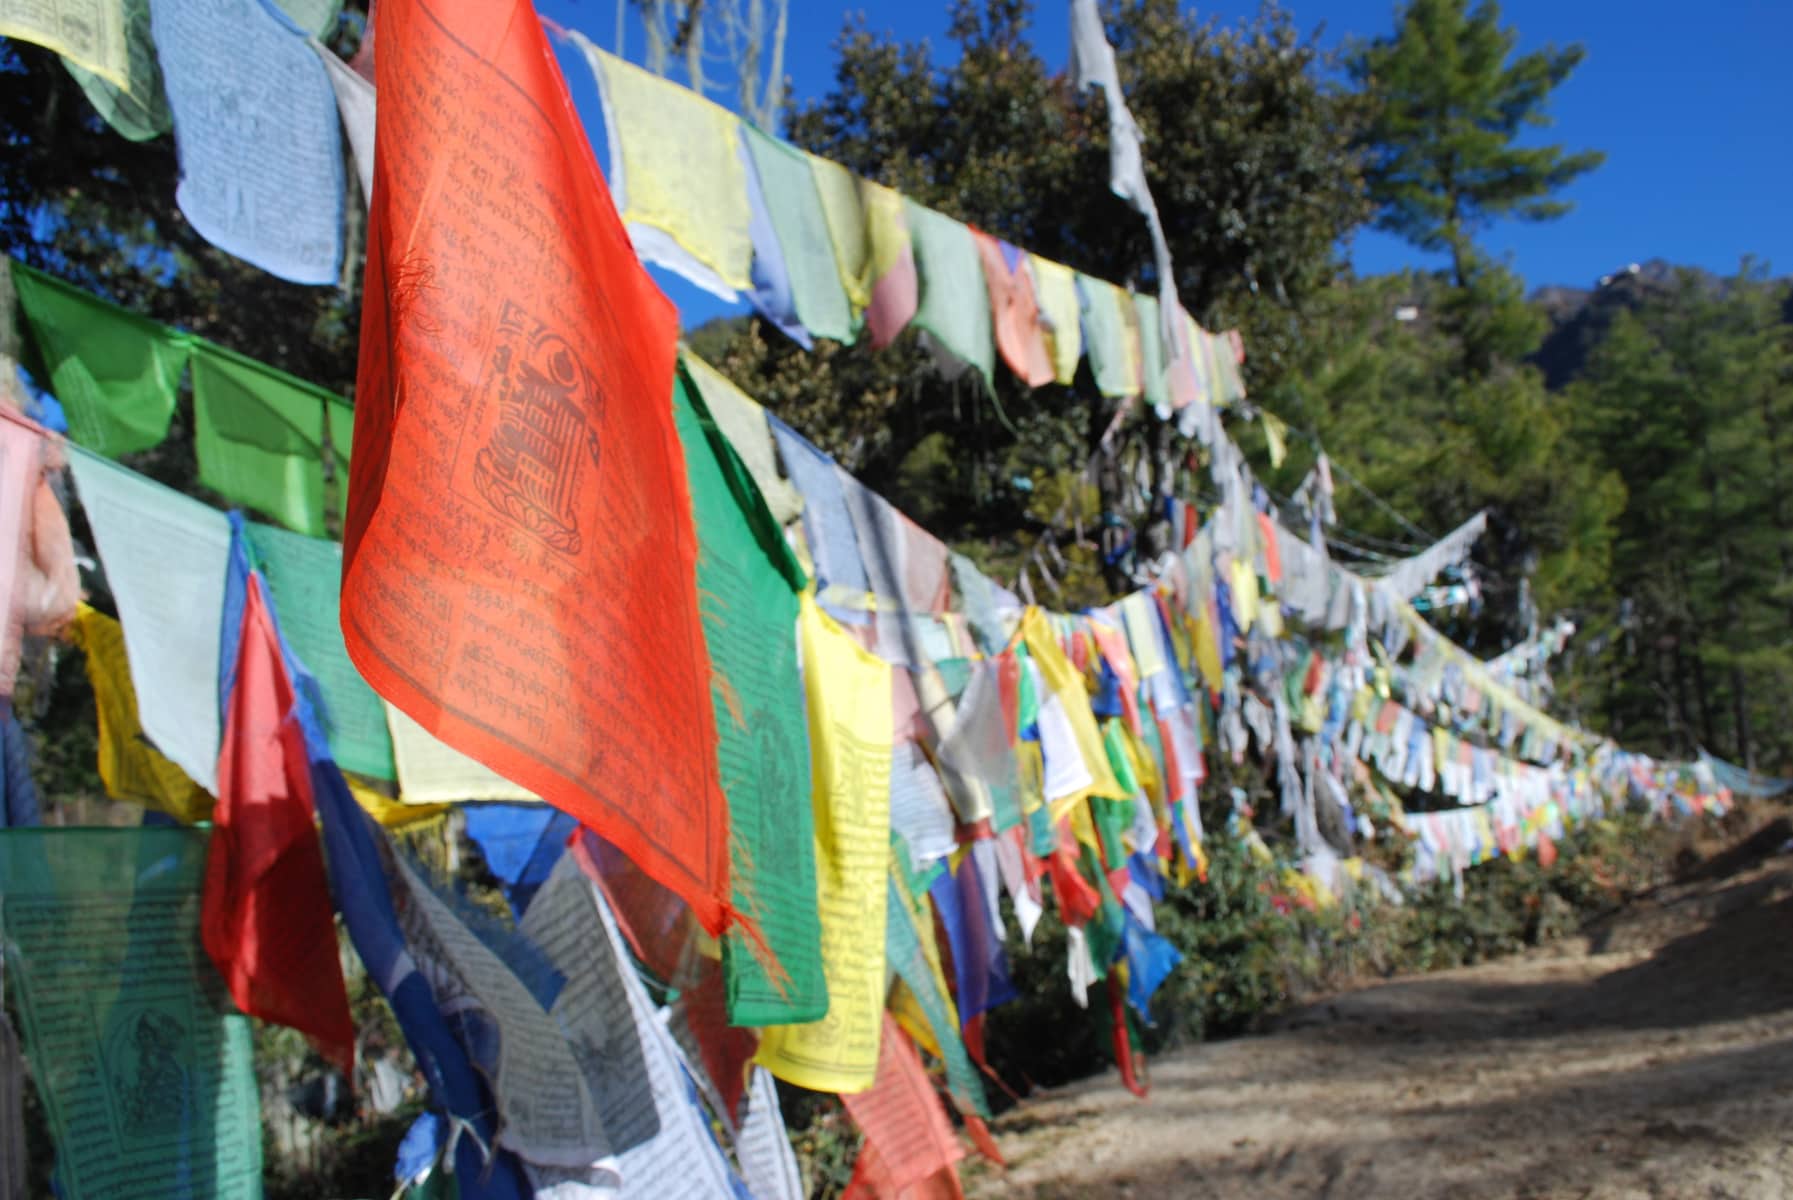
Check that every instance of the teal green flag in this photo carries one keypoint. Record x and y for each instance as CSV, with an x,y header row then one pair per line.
x,y
116,374
143,1066
139,113
908,906
305,576
1105,340
1151,353
955,302
747,585
802,229
260,436
316,17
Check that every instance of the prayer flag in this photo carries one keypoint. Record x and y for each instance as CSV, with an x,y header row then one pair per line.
x,y
165,557
746,580
115,374
849,705
130,767
144,1070
519,559
795,209
1055,285
138,110
260,436
1019,333
676,171
955,304
895,288
89,32
266,913
256,128
844,212
1110,336
904,1123
304,578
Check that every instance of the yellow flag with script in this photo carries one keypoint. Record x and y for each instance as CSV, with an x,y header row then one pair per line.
x,y
850,722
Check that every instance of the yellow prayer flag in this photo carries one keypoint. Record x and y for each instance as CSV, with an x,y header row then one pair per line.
x,y
1245,594
1066,685
1207,646
681,175
1139,615
850,729
886,227
844,211
1275,438
131,768
89,33
393,814
1055,290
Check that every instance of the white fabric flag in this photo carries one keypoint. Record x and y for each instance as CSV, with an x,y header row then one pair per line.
x,y
355,104
165,557
767,1161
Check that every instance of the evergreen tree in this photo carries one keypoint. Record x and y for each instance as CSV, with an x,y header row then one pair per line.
x,y
1448,103
1688,398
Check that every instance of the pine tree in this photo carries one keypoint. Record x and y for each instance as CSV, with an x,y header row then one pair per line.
x,y
1449,102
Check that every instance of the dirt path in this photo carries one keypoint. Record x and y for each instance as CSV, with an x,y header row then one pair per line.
x,y
1652,1057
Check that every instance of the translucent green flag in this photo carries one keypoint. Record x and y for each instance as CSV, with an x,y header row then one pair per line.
x,y
116,374
144,1067
139,112
746,585
909,920
795,207
305,575
260,436
955,302
1152,382
1107,337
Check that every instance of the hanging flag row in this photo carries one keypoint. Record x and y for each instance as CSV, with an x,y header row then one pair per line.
x,y
263,438
821,252
249,100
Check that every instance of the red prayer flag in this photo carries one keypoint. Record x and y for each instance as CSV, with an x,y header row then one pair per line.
x,y
519,558
265,916
907,1136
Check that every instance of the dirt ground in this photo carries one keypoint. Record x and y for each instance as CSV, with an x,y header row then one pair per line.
x,y
1650,1057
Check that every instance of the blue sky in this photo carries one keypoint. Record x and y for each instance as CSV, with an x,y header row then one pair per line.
x,y
1690,103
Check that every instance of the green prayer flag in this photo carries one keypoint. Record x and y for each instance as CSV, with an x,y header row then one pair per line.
x,y
747,585
316,17
116,374
260,436
1105,337
1151,353
144,1067
802,230
140,112
1042,838
955,302
903,931
305,576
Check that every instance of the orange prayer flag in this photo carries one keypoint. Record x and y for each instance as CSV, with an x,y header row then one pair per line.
x,y
519,556
1020,336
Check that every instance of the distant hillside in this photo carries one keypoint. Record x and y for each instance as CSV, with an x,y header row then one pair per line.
x,y
1579,317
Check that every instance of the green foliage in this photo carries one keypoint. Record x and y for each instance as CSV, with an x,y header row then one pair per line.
x,y
1688,399
1449,102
